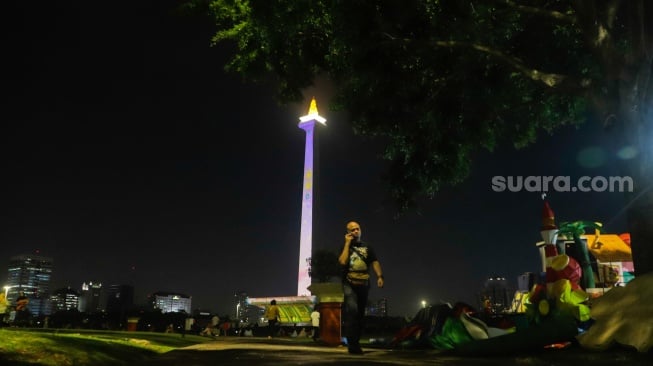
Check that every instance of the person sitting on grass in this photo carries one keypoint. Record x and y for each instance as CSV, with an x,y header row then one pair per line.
x,y
208,330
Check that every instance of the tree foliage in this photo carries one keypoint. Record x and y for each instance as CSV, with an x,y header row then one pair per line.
x,y
324,265
437,81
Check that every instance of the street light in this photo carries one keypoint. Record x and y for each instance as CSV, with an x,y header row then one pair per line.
x,y
6,290
423,304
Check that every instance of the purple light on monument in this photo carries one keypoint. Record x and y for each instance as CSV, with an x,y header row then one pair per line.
x,y
307,123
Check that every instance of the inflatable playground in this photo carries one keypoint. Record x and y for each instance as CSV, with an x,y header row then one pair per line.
x,y
585,293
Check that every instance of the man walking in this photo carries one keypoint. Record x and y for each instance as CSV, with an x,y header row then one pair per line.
x,y
356,257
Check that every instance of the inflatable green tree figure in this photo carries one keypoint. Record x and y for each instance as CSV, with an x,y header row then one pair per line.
x,y
575,230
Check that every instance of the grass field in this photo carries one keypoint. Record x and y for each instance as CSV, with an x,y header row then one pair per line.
x,y
86,347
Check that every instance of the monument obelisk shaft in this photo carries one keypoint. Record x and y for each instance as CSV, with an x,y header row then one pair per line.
x,y
307,123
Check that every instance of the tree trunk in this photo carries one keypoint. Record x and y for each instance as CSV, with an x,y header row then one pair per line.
x,y
628,101
640,225
638,132
587,277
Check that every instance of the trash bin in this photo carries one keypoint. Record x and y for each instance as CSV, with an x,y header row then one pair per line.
x,y
330,320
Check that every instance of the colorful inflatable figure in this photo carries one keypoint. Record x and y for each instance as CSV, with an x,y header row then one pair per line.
x,y
563,290
549,251
559,296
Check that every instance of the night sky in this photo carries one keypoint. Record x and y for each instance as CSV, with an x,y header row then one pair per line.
x,y
130,156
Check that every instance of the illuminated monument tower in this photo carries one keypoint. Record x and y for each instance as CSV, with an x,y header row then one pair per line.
x,y
296,310
307,123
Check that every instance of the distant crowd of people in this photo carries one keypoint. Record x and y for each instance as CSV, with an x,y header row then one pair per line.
x,y
216,327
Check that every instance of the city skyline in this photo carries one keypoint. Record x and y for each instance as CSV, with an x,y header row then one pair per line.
x,y
94,296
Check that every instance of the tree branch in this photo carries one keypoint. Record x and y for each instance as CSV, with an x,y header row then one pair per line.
x,y
551,80
597,25
556,15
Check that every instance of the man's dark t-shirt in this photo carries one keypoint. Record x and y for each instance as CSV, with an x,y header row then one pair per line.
x,y
356,270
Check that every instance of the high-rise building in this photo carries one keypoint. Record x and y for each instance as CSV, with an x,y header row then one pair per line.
x,y
120,298
169,302
496,295
90,299
30,274
378,308
307,123
241,304
64,299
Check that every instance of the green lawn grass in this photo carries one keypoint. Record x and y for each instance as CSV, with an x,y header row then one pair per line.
x,y
86,347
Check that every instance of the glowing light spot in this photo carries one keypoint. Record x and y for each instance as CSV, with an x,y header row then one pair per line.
x,y
627,152
591,157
